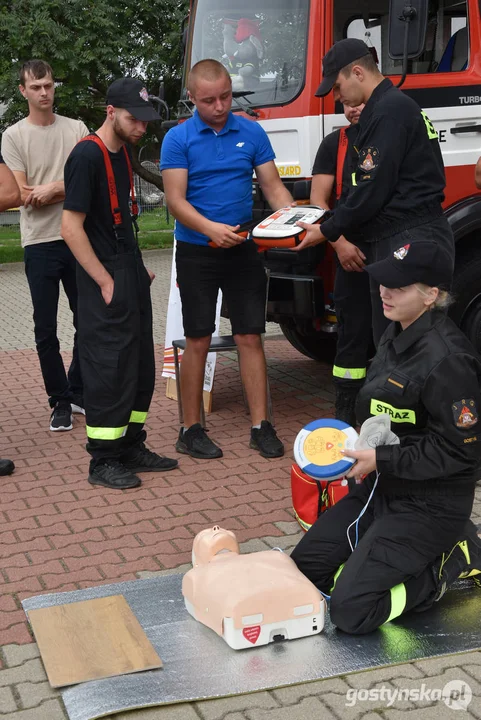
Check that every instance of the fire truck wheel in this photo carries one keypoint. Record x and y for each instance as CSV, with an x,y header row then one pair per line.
x,y
466,311
471,324
312,343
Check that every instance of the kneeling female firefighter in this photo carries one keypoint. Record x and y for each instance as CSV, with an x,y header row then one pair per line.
x,y
403,535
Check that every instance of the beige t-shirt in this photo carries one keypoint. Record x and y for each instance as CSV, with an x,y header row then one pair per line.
x,y
41,152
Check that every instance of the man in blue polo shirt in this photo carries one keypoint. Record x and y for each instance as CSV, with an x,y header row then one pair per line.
x,y
207,164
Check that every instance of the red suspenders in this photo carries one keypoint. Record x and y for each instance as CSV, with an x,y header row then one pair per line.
x,y
341,156
114,200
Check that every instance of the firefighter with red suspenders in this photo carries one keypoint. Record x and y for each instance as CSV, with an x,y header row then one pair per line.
x,y
115,311
331,176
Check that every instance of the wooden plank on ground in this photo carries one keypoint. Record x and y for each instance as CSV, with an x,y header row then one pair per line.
x,y
90,640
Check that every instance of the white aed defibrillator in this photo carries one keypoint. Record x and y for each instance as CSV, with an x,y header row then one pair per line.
x,y
280,230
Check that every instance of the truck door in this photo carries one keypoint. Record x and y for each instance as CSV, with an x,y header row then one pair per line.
x,y
445,80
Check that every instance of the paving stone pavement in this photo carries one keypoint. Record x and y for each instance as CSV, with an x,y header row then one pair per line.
x,y
16,328
57,533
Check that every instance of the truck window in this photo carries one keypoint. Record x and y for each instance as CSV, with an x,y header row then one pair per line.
x,y
447,38
261,42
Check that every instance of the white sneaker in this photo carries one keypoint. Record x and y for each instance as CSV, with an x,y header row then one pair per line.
x,y
77,409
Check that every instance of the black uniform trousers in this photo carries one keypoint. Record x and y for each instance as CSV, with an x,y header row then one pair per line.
x,y
359,306
46,266
116,356
390,571
352,300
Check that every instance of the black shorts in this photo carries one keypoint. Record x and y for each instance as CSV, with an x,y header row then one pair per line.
x,y
237,271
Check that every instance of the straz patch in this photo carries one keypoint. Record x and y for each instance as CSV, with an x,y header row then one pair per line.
x,y
398,415
368,159
465,413
401,252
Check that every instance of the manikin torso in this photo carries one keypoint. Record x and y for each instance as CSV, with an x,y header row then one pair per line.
x,y
240,596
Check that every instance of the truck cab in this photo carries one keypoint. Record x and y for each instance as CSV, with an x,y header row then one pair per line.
x,y
273,50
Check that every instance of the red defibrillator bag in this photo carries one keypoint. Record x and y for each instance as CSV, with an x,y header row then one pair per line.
x,y
311,497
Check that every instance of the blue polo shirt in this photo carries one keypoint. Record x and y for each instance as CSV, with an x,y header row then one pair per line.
x,y
220,167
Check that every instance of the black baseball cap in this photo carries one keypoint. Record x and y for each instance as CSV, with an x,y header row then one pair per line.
x,y
132,95
342,53
421,261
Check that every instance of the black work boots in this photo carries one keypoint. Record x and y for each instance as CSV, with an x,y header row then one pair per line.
x,y
193,441
461,563
6,467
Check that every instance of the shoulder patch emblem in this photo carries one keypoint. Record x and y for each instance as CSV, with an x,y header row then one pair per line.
x,y
465,413
401,252
368,159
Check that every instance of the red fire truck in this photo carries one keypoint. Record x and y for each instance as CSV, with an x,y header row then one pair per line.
x,y
274,50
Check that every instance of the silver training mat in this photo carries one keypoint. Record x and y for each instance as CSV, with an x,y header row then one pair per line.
x,y
199,665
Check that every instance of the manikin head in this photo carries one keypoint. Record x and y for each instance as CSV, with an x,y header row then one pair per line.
x,y
211,542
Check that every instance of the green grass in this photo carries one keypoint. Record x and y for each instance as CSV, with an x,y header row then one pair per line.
x,y
155,220
154,230
154,233
10,248
9,234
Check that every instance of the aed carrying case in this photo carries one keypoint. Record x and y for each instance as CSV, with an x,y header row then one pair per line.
x,y
311,497
280,230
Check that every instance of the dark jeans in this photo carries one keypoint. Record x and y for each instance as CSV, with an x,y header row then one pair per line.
x,y
46,266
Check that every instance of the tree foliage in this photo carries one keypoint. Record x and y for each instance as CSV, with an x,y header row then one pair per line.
x,y
90,43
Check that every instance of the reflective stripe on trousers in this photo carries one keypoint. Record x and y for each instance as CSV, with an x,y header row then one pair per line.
x,y
349,373
114,433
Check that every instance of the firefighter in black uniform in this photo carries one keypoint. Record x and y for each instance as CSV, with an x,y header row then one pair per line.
x,y
398,183
335,160
415,535
114,305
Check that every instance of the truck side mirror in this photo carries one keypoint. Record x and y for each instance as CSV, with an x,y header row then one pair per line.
x,y
408,21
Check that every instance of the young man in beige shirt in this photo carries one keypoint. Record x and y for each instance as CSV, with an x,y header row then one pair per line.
x,y
35,149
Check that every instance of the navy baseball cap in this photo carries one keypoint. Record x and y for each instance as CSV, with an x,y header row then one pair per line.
x,y
422,261
131,94
342,53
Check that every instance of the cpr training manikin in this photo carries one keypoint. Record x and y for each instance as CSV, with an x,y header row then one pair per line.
x,y
258,598
252,599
